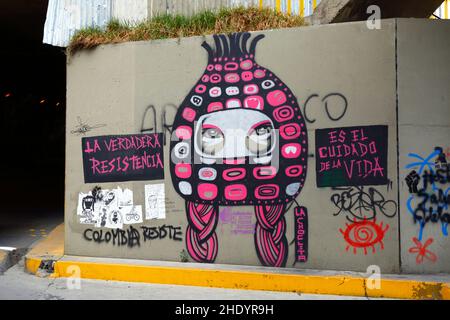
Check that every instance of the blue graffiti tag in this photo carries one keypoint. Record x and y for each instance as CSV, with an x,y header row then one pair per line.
x,y
427,164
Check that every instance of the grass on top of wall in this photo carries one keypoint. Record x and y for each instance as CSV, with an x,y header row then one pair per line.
x,y
226,20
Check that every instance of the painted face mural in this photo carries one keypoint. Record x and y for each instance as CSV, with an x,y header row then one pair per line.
x,y
239,139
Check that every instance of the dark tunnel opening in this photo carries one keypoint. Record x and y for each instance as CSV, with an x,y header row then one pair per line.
x,y
32,114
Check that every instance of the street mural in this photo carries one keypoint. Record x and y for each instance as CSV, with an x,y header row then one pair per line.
x,y
226,141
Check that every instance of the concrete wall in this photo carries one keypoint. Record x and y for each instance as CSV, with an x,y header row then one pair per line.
x,y
341,75
424,123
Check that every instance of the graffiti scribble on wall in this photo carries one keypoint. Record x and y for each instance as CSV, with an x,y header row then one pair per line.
x,y
351,156
364,235
335,105
224,142
429,189
360,204
123,158
83,127
422,252
150,122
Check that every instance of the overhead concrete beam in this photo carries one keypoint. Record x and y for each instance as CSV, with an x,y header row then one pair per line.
x,y
335,11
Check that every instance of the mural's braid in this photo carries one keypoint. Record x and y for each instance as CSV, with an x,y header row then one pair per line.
x,y
270,235
201,238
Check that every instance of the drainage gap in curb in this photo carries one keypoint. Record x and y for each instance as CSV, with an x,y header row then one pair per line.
x,y
47,267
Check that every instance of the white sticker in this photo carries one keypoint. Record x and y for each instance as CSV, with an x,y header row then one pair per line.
x,y
155,205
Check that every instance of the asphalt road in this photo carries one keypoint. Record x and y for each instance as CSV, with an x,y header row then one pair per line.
x,y
32,205
20,229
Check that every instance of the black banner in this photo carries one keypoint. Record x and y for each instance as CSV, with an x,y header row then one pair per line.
x,y
351,156
123,158
301,234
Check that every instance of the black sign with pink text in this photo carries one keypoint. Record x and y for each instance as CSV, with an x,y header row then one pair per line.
x,y
351,156
123,158
301,234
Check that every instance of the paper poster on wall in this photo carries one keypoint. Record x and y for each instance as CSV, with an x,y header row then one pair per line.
x,y
108,208
123,158
124,197
155,206
352,156
113,218
86,208
132,214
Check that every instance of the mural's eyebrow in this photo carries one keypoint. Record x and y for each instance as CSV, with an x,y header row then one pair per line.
x,y
244,42
254,42
226,50
218,46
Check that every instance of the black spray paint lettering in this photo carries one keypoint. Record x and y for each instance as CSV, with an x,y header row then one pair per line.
x,y
430,209
167,114
432,205
335,105
161,232
132,237
441,176
361,204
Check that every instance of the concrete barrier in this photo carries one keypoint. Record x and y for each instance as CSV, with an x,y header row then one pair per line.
x,y
344,83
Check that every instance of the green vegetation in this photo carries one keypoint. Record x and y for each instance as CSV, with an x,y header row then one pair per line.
x,y
225,20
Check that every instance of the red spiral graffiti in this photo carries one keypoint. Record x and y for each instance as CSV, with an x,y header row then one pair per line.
x,y
364,234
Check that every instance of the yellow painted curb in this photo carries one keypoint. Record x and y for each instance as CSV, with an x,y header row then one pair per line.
x,y
32,264
51,248
334,285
